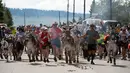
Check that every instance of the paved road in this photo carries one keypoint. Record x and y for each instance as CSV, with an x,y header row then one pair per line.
x,y
60,67
103,67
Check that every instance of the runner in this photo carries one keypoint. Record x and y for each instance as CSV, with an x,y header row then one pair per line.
x,y
123,39
44,45
92,38
55,34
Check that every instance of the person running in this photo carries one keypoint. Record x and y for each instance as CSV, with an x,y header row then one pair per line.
x,y
20,37
44,43
128,40
55,34
92,35
2,33
123,40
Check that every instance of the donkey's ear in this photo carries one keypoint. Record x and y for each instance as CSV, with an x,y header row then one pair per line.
x,y
70,28
64,28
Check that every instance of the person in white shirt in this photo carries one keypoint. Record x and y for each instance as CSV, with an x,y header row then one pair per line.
x,y
123,40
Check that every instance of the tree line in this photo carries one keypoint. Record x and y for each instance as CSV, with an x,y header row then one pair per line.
x,y
42,13
5,15
120,10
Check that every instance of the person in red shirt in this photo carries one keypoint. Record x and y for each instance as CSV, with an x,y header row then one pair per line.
x,y
44,43
37,31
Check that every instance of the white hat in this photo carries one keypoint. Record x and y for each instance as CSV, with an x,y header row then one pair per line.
x,y
44,28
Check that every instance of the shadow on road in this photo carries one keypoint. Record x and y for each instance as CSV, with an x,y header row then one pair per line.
x,y
35,64
10,61
71,70
82,65
24,60
122,66
51,65
2,60
57,58
61,63
100,65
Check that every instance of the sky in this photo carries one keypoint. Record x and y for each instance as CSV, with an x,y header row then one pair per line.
x,y
49,4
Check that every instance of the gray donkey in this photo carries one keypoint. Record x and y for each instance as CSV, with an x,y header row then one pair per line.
x,y
30,44
69,45
112,50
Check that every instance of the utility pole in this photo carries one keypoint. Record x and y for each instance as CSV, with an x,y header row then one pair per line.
x,y
73,11
68,12
24,19
59,18
110,9
4,13
84,9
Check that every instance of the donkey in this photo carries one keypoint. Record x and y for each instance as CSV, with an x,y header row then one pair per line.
x,y
19,47
30,44
76,35
7,47
69,45
112,50
1,54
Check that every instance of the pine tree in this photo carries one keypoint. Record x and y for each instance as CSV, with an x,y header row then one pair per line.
x,y
5,15
92,10
8,17
1,12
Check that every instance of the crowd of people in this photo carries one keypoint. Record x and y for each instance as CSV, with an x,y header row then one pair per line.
x,y
39,40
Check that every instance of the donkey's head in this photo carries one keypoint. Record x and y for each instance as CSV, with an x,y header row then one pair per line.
x,y
67,30
67,34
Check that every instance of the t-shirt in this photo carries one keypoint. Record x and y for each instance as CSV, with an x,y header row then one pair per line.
x,y
14,32
117,30
44,37
20,36
101,39
123,36
55,33
91,35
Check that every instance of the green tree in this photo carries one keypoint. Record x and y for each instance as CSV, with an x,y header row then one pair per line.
x,y
120,10
5,15
1,12
92,10
8,17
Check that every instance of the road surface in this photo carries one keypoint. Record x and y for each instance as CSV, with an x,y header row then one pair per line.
x,y
61,67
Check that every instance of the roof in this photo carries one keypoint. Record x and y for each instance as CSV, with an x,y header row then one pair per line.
x,y
110,21
2,24
92,19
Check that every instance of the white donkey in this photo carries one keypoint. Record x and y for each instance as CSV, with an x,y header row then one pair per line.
x,y
7,49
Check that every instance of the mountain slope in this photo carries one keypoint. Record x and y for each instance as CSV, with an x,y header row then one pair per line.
x,y
34,16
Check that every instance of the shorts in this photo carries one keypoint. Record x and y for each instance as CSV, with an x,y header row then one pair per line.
x,y
92,47
124,44
48,44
